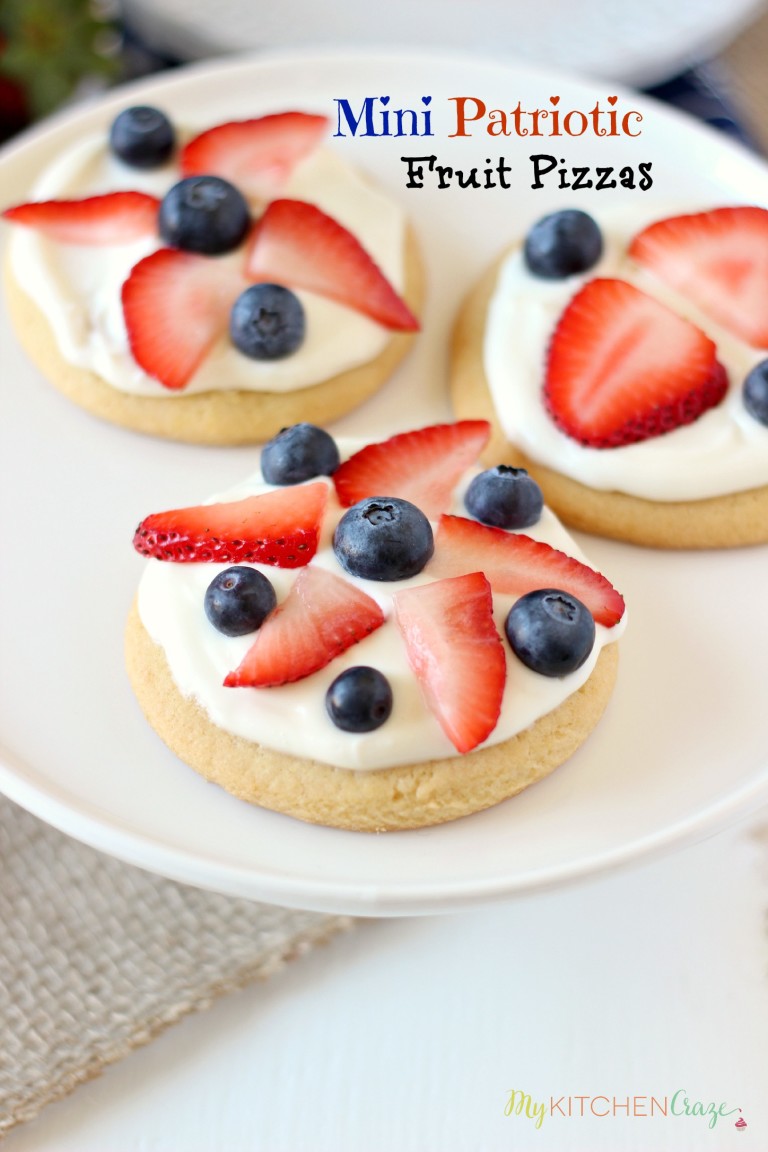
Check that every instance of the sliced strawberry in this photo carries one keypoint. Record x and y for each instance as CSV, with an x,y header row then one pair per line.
x,y
257,156
176,305
422,466
320,618
280,528
719,261
456,654
296,244
114,218
623,368
516,564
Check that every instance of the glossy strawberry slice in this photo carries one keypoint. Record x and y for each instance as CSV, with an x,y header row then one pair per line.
x,y
296,244
320,618
176,305
114,218
257,156
280,528
516,564
456,654
623,368
719,261
423,466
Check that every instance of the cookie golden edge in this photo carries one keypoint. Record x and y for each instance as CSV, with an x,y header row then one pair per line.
x,y
729,521
388,799
214,418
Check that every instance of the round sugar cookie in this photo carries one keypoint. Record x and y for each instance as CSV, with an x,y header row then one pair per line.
x,y
234,669
122,277
407,796
216,418
732,520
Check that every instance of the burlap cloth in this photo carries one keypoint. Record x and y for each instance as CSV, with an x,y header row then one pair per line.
x,y
96,957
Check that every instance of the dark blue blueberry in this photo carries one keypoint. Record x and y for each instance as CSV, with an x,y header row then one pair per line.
x,y
359,700
563,244
504,497
267,322
298,453
142,137
238,600
550,631
756,392
203,214
383,538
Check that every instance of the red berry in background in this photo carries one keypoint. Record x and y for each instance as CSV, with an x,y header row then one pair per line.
x,y
14,112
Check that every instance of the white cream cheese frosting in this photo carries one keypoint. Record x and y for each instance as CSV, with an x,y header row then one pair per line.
x,y
724,451
292,718
77,287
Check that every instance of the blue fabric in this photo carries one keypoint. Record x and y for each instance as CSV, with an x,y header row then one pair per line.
x,y
703,92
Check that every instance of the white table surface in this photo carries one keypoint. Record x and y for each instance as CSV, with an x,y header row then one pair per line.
x,y
408,1035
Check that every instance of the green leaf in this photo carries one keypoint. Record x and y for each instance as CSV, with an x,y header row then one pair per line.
x,y
51,46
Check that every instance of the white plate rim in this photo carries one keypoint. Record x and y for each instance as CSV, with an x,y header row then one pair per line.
x,y
364,900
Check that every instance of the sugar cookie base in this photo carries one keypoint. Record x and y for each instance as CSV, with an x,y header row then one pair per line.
x,y
234,417
411,796
718,522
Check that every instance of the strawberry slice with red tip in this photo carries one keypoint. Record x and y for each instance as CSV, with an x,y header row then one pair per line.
x,y
296,244
622,367
516,564
176,305
114,218
280,528
320,618
456,654
257,156
423,466
719,261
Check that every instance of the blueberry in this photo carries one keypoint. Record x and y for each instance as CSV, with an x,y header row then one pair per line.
x,y
563,244
550,631
359,700
298,453
756,392
142,137
504,497
267,322
203,214
383,538
238,600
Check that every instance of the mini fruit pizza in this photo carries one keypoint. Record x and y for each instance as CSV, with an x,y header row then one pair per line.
x,y
212,287
372,637
627,368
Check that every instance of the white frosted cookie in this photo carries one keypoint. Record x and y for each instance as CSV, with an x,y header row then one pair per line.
x,y
631,382
372,661
122,280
